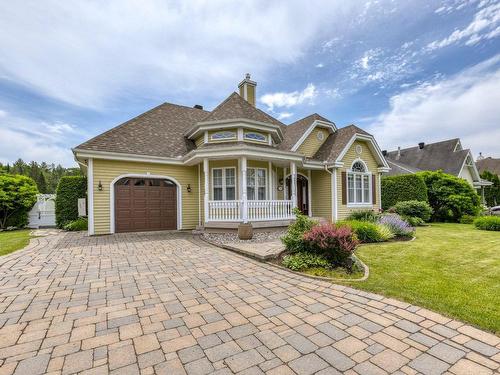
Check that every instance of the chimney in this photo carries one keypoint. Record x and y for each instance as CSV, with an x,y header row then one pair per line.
x,y
198,106
398,156
421,145
247,89
384,152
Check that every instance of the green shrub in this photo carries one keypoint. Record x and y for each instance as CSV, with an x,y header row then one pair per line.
x,y
414,221
365,231
294,237
17,196
302,261
402,188
363,215
492,192
488,223
69,189
467,219
414,208
450,197
76,225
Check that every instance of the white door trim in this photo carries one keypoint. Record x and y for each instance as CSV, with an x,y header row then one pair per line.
x,y
112,196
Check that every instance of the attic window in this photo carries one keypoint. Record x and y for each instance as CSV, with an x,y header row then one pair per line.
x,y
223,135
358,166
256,137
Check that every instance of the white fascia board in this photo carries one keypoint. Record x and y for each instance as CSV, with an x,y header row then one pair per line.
x,y
317,123
243,123
477,176
125,157
384,169
371,141
241,150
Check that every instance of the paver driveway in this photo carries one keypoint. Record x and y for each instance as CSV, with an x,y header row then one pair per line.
x,y
167,303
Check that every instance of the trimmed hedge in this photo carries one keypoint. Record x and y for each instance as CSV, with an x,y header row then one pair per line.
x,y
414,208
402,188
488,223
69,189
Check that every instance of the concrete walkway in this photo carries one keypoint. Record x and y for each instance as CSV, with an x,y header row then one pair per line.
x,y
166,303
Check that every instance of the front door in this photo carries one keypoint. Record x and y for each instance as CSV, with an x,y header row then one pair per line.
x,y
302,193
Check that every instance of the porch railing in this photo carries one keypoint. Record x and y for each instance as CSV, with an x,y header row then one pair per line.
x,y
225,210
270,210
256,210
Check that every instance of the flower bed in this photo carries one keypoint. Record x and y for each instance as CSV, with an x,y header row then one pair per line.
x,y
327,250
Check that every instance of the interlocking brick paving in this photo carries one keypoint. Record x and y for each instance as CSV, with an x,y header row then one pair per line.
x,y
168,303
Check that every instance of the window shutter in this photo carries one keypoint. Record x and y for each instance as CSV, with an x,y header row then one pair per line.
x,y
344,187
374,189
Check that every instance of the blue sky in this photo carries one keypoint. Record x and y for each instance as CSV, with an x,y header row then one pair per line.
x,y
406,71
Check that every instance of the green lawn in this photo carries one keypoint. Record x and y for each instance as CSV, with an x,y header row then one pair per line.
x,y
453,269
11,241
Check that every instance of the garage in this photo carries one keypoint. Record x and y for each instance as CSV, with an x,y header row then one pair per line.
x,y
145,204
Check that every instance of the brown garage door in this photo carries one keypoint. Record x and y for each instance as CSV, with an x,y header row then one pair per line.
x,y
143,204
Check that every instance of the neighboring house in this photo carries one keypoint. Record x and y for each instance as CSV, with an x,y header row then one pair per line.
x,y
448,156
177,167
488,164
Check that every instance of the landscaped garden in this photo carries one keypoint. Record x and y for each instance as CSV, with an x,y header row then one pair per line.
x,y
448,267
453,269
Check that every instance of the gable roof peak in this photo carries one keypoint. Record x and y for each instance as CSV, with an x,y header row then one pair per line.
x,y
235,107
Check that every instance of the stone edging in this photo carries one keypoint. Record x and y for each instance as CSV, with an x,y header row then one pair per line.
x,y
366,270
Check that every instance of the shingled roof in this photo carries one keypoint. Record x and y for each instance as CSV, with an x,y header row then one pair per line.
x,y
160,132
489,164
442,155
157,132
235,107
295,130
336,142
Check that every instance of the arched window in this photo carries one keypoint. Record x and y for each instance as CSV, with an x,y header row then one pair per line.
x,y
359,184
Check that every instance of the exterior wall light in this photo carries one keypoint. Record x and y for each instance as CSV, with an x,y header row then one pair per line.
x,y
189,188
99,187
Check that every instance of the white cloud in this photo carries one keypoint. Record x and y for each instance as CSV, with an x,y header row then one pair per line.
x,y
320,65
465,106
483,26
91,53
368,56
290,99
37,140
284,115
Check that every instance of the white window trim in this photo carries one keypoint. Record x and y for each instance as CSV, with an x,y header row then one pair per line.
x,y
257,186
224,186
245,136
233,135
370,188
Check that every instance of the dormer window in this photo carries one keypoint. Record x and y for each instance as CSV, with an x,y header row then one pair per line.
x,y
224,135
255,137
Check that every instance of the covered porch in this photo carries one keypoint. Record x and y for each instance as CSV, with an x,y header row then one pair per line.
x,y
253,190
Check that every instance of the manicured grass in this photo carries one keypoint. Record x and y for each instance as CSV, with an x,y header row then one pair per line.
x,y
11,241
453,269
336,273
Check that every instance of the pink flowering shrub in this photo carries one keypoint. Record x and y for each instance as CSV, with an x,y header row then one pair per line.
x,y
335,243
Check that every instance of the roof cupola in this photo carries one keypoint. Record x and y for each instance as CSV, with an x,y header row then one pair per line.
x,y
247,89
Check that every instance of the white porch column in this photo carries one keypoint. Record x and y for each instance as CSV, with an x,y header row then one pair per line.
x,y
293,181
309,193
244,213
206,172
270,181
